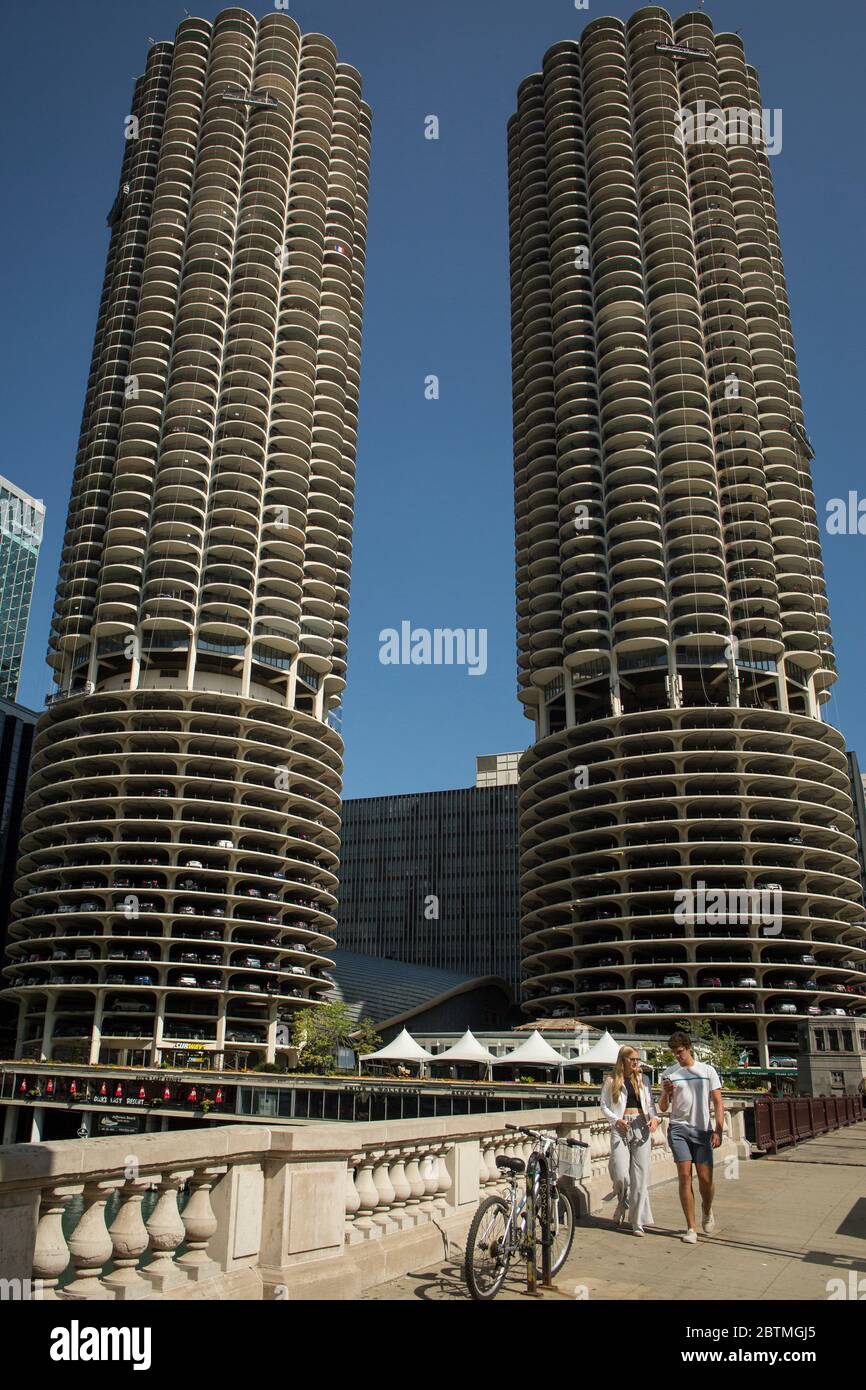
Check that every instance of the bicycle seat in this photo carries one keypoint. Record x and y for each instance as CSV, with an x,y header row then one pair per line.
x,y
513,1165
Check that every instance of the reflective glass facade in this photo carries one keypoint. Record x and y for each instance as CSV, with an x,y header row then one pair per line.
x,y
21,523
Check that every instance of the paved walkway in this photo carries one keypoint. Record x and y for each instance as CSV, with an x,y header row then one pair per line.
x,y
786,1225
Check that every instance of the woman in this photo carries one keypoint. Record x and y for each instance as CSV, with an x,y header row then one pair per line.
x,y
627,1103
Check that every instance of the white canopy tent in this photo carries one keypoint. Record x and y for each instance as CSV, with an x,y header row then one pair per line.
x,y
403,1048
535,1052
603,1053
467,1049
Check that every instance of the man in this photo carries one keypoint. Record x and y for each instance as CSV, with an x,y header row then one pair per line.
x,y
690,1088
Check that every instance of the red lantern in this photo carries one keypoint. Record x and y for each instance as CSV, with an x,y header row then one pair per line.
x,y
193,1095
118,1091
218,1098
141,1093
22,1089
73,1088
166,1094
103,1090
49,1087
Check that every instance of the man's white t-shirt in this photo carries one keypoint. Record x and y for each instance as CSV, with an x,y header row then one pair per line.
x,y
690,1103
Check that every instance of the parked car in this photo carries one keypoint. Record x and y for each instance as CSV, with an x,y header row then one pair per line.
x,y
783,1008
241,1035
674,978
225,844
209,982
186,981
560,1013
85,953
807,959
715,1006
193,864
711,981
130,1006
745,1008
645,1006
747,982
147,977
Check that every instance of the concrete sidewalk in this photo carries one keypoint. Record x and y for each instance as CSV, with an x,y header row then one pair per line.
x,y
786,1226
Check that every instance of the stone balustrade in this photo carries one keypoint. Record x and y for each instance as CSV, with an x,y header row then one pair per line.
x,y
247,1211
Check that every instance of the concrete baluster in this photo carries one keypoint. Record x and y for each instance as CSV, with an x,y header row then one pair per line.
x,y
353,1198
443,1178
199,1223
51,1253
90,1245
416,1183
129,1242
368,1199
400,1184
385,1189
165,1231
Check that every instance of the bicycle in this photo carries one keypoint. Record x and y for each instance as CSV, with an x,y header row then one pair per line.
x,y
504,1226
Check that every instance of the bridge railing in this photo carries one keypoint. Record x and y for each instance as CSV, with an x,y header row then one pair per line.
x,y
790,1119
253,1211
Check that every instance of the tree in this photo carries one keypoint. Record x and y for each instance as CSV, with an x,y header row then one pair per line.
x,y
318,1034
721,1050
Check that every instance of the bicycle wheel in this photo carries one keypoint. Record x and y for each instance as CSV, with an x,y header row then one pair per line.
x,y
488,1248
562,1233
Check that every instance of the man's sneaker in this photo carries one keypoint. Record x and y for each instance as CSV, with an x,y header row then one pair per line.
x,y
690,1238
639,1231
709,1223
619,1212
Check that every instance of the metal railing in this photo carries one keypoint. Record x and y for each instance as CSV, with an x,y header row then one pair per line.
x,y
791,1119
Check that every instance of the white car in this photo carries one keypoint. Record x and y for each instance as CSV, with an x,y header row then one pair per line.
x,y
225,844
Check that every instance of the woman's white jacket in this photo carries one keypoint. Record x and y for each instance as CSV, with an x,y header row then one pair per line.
x,y
614,1110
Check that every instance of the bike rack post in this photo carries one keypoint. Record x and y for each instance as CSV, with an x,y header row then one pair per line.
x,y
531,1267
546,1235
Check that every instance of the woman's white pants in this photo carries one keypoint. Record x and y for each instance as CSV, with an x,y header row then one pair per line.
x,y
629,1169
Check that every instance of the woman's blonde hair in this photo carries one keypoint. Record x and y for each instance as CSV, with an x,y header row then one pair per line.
x,y
617,1076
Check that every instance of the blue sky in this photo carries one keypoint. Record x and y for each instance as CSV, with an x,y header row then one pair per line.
x,y
433,533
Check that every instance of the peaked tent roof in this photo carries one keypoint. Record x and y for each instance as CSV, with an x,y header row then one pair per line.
x,y
403,1048
603,1053
466,1049
535,1052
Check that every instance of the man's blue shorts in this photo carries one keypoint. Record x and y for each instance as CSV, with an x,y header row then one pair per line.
x,y
690,1145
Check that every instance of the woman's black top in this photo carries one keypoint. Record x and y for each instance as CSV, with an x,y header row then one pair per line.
x,y
632,1095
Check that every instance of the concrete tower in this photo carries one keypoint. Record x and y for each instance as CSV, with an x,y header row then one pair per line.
x,y
673,629
177,872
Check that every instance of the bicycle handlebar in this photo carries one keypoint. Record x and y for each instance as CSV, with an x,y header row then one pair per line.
x,y
540,1134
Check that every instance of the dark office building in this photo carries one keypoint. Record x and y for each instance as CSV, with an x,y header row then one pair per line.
x,y
16,742
431,878
859,799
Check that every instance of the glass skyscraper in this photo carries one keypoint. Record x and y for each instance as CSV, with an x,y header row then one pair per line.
x,y
21,522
